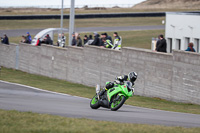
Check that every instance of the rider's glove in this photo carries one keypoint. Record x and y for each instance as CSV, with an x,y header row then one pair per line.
x,y
117,81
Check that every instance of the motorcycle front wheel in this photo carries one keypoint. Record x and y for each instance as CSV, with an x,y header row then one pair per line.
x,y
94,103
117,102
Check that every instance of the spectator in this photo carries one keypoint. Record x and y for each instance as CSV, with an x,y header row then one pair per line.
x,y
23,39
90,40
117,41
38,43
5,39
96,41
190,47
90,37
85,40
78,41
61,40
108,37
44,40
158,42
107,43
28,38
101,40
47,40
162,45
73,39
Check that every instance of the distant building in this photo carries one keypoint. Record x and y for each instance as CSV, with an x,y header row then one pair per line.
x,y
181,29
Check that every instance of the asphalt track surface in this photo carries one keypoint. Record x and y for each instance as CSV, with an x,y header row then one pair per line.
x,y
20,32
24,98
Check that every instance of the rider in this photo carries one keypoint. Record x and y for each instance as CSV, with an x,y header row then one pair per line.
x,y
132,76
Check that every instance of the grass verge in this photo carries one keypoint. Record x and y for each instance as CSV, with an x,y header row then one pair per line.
x,y
84,91
27,122
95,22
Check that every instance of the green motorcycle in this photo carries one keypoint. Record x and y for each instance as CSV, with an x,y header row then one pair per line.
x,y
113,98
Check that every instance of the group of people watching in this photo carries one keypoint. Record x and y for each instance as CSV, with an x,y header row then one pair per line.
x,y
76,40
102,41
46,40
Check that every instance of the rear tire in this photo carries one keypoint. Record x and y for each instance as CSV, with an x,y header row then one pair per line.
x,y
94,103
117,104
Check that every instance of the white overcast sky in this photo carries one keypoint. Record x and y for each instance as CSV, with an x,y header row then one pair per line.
x,y
7,3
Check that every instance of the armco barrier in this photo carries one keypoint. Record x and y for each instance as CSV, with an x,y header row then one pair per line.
x,y
168,76
84,16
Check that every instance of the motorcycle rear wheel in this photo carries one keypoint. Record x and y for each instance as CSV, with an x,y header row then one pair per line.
x,y
115,105
94,103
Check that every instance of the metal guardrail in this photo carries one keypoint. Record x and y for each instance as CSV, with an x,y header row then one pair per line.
x,y
84,16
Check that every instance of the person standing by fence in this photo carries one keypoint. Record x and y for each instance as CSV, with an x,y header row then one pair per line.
x,y
73,43
117,41
96,41
162,45
5,39
78,40
190,47
28,37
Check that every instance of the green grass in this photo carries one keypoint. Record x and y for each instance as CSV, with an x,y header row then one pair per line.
x,y
27,122
96,22
138,39
85,91
46,83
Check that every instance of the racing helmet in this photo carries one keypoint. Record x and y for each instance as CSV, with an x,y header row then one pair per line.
x,y
132,76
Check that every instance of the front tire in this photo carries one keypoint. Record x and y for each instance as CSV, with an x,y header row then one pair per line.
x,y
115,105
94,103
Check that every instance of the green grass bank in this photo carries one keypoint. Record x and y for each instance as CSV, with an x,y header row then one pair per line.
x,y
27,122
95,22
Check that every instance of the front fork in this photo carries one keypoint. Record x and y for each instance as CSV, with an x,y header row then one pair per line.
x,y
98,90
